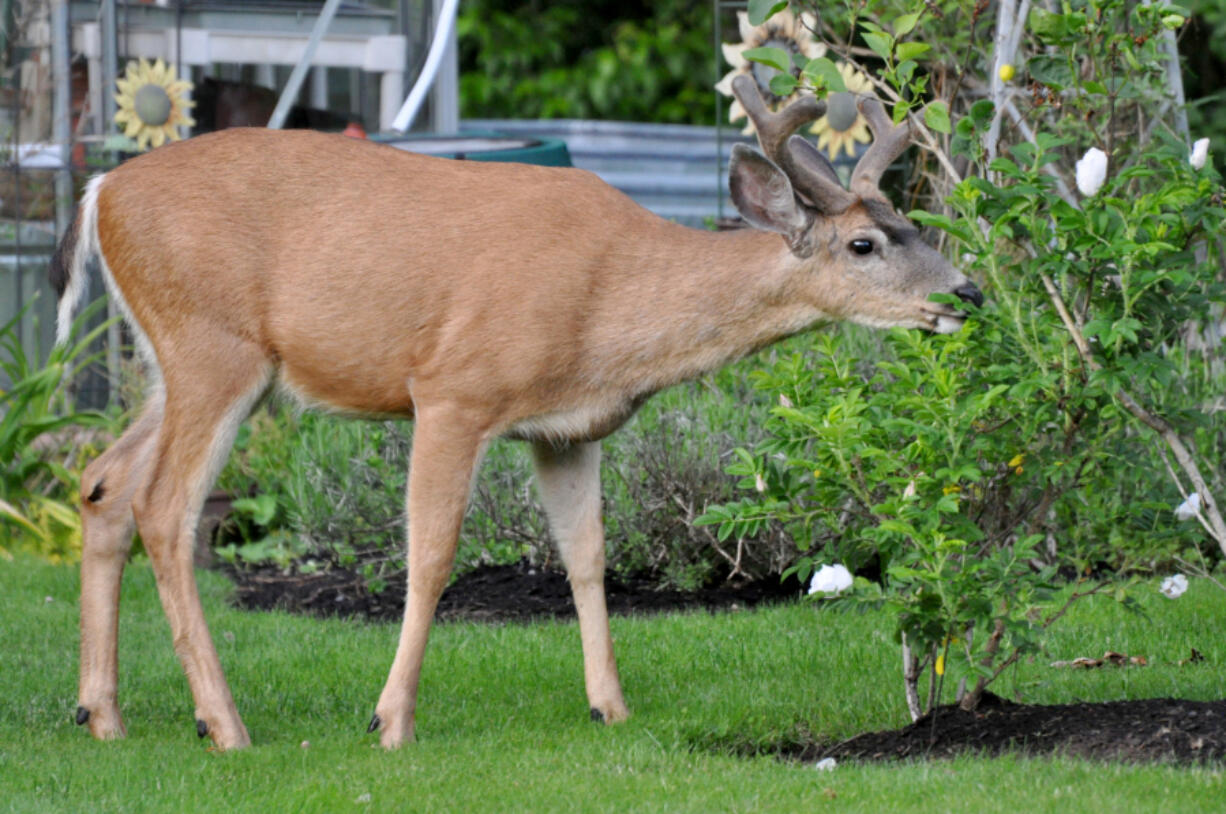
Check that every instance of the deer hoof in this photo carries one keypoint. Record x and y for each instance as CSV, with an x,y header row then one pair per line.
x,y
103,720
612,712
375,723
202,728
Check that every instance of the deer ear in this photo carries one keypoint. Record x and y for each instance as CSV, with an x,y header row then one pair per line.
x,y
764,196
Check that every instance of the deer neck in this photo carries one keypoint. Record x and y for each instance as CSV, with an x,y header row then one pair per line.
x,y
714,298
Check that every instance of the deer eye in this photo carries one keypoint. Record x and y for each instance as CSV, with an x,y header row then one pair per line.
x,y
862,246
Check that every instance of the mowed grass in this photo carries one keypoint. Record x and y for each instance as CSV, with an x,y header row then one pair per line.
x,y
503,723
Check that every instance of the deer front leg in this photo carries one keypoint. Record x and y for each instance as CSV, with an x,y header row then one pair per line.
x,y
569,481
446,450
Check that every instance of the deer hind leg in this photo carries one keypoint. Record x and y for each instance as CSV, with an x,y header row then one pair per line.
x,y
446,450
107,487
569,481
207,397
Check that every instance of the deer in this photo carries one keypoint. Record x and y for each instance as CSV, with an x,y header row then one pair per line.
x,y
480,300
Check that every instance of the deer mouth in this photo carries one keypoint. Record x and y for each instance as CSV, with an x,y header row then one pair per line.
x,y
944,320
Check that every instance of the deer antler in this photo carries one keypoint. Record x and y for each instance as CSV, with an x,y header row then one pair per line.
x,y
889,141
808,170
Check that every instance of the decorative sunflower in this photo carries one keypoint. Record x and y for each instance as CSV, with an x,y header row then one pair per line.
x,y
843,127
783,30
152,104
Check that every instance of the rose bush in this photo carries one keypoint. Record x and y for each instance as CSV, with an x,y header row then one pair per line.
x,y
965,477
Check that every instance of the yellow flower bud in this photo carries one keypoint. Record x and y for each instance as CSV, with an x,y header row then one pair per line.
x,y
1006,72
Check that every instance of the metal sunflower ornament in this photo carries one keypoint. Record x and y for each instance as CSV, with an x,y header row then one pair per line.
x,y
783,30
842,128
152,103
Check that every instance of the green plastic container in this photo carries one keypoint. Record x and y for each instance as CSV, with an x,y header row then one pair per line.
x,y
484,146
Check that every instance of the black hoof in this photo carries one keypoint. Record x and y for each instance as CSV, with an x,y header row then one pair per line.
x,y
597,715
82,716
202,728
375,723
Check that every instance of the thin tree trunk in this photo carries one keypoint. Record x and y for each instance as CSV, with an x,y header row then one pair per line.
x,y
910,679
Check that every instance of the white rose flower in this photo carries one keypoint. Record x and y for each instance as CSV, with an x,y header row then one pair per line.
x,y
1091,171
1174,586
1200,152
1189,508
830,579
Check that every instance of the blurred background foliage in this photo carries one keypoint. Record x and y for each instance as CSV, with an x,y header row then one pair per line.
x,y
657,62
1203,49
630,61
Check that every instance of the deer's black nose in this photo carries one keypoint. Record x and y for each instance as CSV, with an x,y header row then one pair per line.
x,y
970,293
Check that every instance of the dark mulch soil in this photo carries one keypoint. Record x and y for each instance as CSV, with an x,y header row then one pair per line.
x,y
492,593
1146,731
1156,730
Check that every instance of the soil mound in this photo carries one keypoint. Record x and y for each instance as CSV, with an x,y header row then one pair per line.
x,y
1145,731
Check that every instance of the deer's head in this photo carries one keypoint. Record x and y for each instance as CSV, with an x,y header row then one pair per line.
x,y
857,258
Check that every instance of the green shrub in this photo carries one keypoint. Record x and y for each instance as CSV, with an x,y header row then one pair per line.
x,y
1057,430
43,442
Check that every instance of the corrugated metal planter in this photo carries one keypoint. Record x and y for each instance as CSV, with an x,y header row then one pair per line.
x,y
677,171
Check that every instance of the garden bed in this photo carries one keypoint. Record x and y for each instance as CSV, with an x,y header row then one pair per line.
x,y
1149,730
489,593
1142,731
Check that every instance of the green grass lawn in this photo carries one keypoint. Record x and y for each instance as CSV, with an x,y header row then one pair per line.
x,y
503,722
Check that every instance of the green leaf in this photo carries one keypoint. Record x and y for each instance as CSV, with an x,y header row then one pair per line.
x,y
904,23
1127,328
1006,167
1058,29
762,10
881,43
261,509
981,112
936,116
7,510
898,527
912,50
823,71
1052,70
783,84
777,58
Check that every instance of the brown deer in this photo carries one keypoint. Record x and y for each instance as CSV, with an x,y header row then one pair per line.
x,y
481,300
